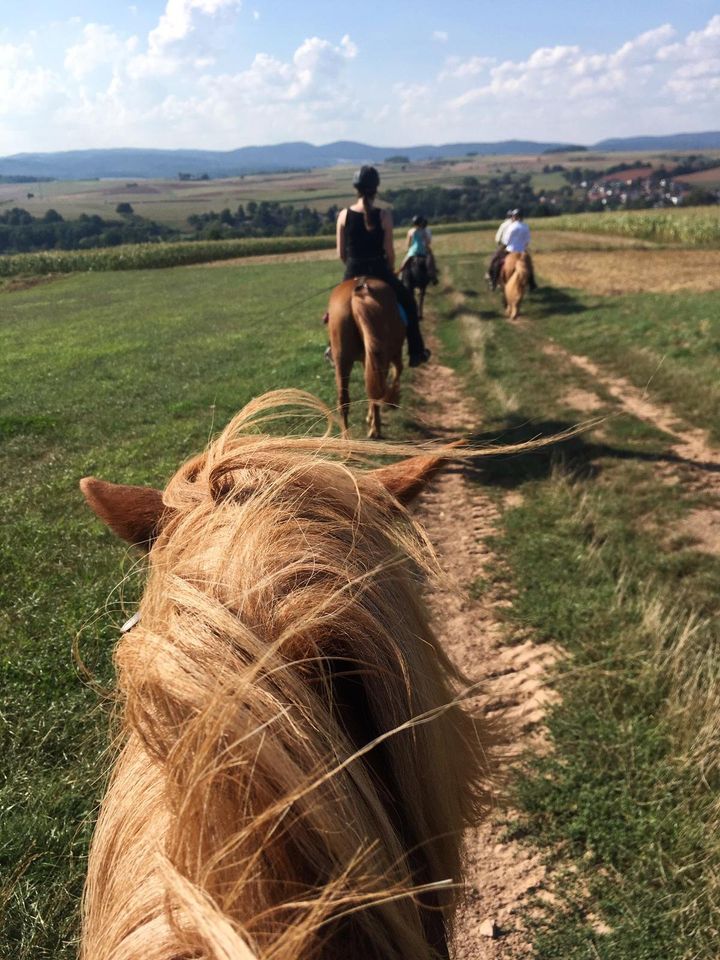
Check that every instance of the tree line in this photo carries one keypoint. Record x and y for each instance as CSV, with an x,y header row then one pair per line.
x,y
21,232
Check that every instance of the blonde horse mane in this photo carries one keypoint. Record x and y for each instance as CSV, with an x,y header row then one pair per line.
x,y
294,769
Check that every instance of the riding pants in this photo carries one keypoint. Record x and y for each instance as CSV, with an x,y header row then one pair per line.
x,y
496,266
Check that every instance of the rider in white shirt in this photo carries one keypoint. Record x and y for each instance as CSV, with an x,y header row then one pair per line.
x,y
515,238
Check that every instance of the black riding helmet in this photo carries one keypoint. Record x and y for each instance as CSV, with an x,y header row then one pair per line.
x,y
366,179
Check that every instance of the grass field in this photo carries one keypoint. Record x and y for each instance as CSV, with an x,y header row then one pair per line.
x,y
124,374
120,375
172,202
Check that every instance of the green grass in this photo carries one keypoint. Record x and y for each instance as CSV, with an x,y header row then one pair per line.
x,y
121,375
125,374
624,803
667,342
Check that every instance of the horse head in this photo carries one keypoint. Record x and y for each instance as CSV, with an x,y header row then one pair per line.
x,y
283,701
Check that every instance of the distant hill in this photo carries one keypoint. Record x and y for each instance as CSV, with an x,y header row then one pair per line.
x,y
134,163
709,140
89,164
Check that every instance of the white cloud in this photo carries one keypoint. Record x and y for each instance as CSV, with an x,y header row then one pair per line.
x,y
100,46
456,68
568,92
441,36
177,40
150,100
178,86
25,87
178,20
698,44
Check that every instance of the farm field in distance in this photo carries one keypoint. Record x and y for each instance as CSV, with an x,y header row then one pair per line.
x,y
171,202
602,544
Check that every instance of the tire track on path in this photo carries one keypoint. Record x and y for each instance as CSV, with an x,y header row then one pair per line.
x,y
692,444
459,516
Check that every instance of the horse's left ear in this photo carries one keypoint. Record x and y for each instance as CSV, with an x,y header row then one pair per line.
x,y
133,513
406,478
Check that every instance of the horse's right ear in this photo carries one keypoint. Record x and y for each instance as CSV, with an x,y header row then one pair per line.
x,y
133,513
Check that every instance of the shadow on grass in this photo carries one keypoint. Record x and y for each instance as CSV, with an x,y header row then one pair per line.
x,y
578,455
544,302
549,301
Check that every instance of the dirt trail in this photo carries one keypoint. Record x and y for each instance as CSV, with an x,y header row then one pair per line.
x,y
695,462
459,516
693,445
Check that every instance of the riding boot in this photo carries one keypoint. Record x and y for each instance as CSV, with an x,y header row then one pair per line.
x,y
495,268
416,346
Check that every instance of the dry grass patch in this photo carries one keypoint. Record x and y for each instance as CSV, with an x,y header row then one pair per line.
x,y
702,527
614,272
545,238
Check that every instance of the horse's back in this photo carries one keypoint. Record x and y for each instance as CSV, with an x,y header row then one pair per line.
x,y
364,307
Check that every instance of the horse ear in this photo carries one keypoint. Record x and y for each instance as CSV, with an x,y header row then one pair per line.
x,y
406,478
133,513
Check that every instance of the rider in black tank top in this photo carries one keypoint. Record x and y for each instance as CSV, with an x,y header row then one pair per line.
x,y
365,248
365,253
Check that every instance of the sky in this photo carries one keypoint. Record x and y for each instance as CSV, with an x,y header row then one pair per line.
x,y
220,74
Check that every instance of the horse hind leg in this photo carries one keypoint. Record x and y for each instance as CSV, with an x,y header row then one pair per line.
x,y
342,379
376,371
392,394
374,420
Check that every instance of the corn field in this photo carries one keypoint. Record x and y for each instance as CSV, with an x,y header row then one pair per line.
x,y
694,227
145,256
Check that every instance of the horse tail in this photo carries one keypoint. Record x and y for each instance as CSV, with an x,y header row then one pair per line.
x,y
522,269
367,313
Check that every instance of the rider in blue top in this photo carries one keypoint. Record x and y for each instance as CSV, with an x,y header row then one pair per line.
x,y
419,241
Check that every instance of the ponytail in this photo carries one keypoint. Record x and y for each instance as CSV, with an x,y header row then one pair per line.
x,y
366,199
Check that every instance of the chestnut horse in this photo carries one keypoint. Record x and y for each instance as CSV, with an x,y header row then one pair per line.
x,y
364,324
515,275
294,770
